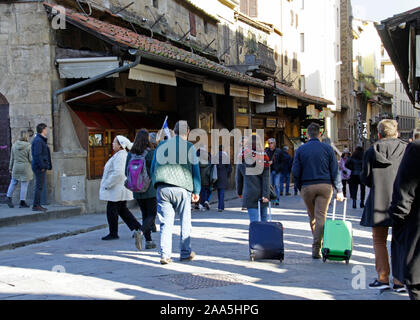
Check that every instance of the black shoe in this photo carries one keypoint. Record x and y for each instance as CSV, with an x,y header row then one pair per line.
x,y
10,202
379,285
110,237
23,204
288,194
354,204
399,288
362,204
39,208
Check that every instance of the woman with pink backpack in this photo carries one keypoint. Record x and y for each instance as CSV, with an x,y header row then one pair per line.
x,y
137,170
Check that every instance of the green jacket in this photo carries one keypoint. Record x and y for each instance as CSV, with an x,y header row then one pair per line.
x,y
175,163
20,161
151,192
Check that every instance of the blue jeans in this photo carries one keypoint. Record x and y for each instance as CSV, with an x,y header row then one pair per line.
x,y
40,177
204,195
170,201
254,215
275,182
284,179
23,188
221,197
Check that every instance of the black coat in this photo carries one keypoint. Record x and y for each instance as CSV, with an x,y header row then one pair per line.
x,y
276,156
224,168
286,163
405,213
354,165
380,166
41,156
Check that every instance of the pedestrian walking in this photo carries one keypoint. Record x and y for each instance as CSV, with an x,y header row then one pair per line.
x,y
21,170
275,156
41,162
206,179
177,181
240,167
380,165
315,170
142,151
224,169
285,170
253,185
405,214
153,139
355,164
113,191
344,171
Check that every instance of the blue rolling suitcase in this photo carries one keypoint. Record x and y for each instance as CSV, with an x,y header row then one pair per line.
x,y
266,239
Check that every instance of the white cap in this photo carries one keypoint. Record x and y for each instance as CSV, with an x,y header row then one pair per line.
x,y
124,142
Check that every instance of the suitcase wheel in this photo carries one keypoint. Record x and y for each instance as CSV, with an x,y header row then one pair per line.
x,y
325,252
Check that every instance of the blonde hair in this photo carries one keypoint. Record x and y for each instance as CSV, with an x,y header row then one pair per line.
x,y
24,136
388,128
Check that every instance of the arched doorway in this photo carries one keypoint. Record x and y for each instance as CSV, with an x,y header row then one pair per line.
x,y
5,146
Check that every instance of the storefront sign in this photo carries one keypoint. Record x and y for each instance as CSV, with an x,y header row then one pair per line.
x,y
271,122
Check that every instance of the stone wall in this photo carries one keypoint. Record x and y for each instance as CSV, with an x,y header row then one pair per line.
x,y
26,65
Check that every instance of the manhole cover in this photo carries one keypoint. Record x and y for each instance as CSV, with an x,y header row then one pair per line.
x,y
201,281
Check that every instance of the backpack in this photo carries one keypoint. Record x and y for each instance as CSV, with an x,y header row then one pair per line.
x,y
138,179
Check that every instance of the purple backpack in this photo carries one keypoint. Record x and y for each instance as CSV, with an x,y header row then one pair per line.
x,y
138,179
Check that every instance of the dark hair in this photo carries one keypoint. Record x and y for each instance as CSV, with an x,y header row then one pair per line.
x,y
40,128
141,143
313,130
358,153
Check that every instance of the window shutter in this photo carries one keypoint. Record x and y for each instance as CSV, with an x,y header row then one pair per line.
x,y
193,27
244,6
253,8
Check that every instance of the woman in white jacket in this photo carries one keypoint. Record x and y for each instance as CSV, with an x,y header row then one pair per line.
x,y
113,190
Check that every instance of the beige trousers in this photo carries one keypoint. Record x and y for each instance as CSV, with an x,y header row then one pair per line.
x,y
317,198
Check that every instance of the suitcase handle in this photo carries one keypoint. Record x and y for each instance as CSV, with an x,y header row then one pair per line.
x,y
269,209
335,206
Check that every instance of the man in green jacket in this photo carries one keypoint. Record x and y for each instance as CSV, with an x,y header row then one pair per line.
x,y
176,177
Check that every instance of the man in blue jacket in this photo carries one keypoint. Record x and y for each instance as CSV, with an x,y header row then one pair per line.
x,y
176,177
315,170
41,162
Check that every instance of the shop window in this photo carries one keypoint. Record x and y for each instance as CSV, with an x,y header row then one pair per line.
x,y
96,140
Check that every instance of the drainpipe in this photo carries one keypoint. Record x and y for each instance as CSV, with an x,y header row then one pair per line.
x,y
86,82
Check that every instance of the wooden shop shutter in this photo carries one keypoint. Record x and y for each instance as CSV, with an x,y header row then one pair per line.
x,y
193,25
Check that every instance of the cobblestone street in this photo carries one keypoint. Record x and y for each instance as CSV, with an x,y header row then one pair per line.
x,y
84,267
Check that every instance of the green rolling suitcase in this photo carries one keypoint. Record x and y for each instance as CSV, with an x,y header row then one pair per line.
x,y
338,238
